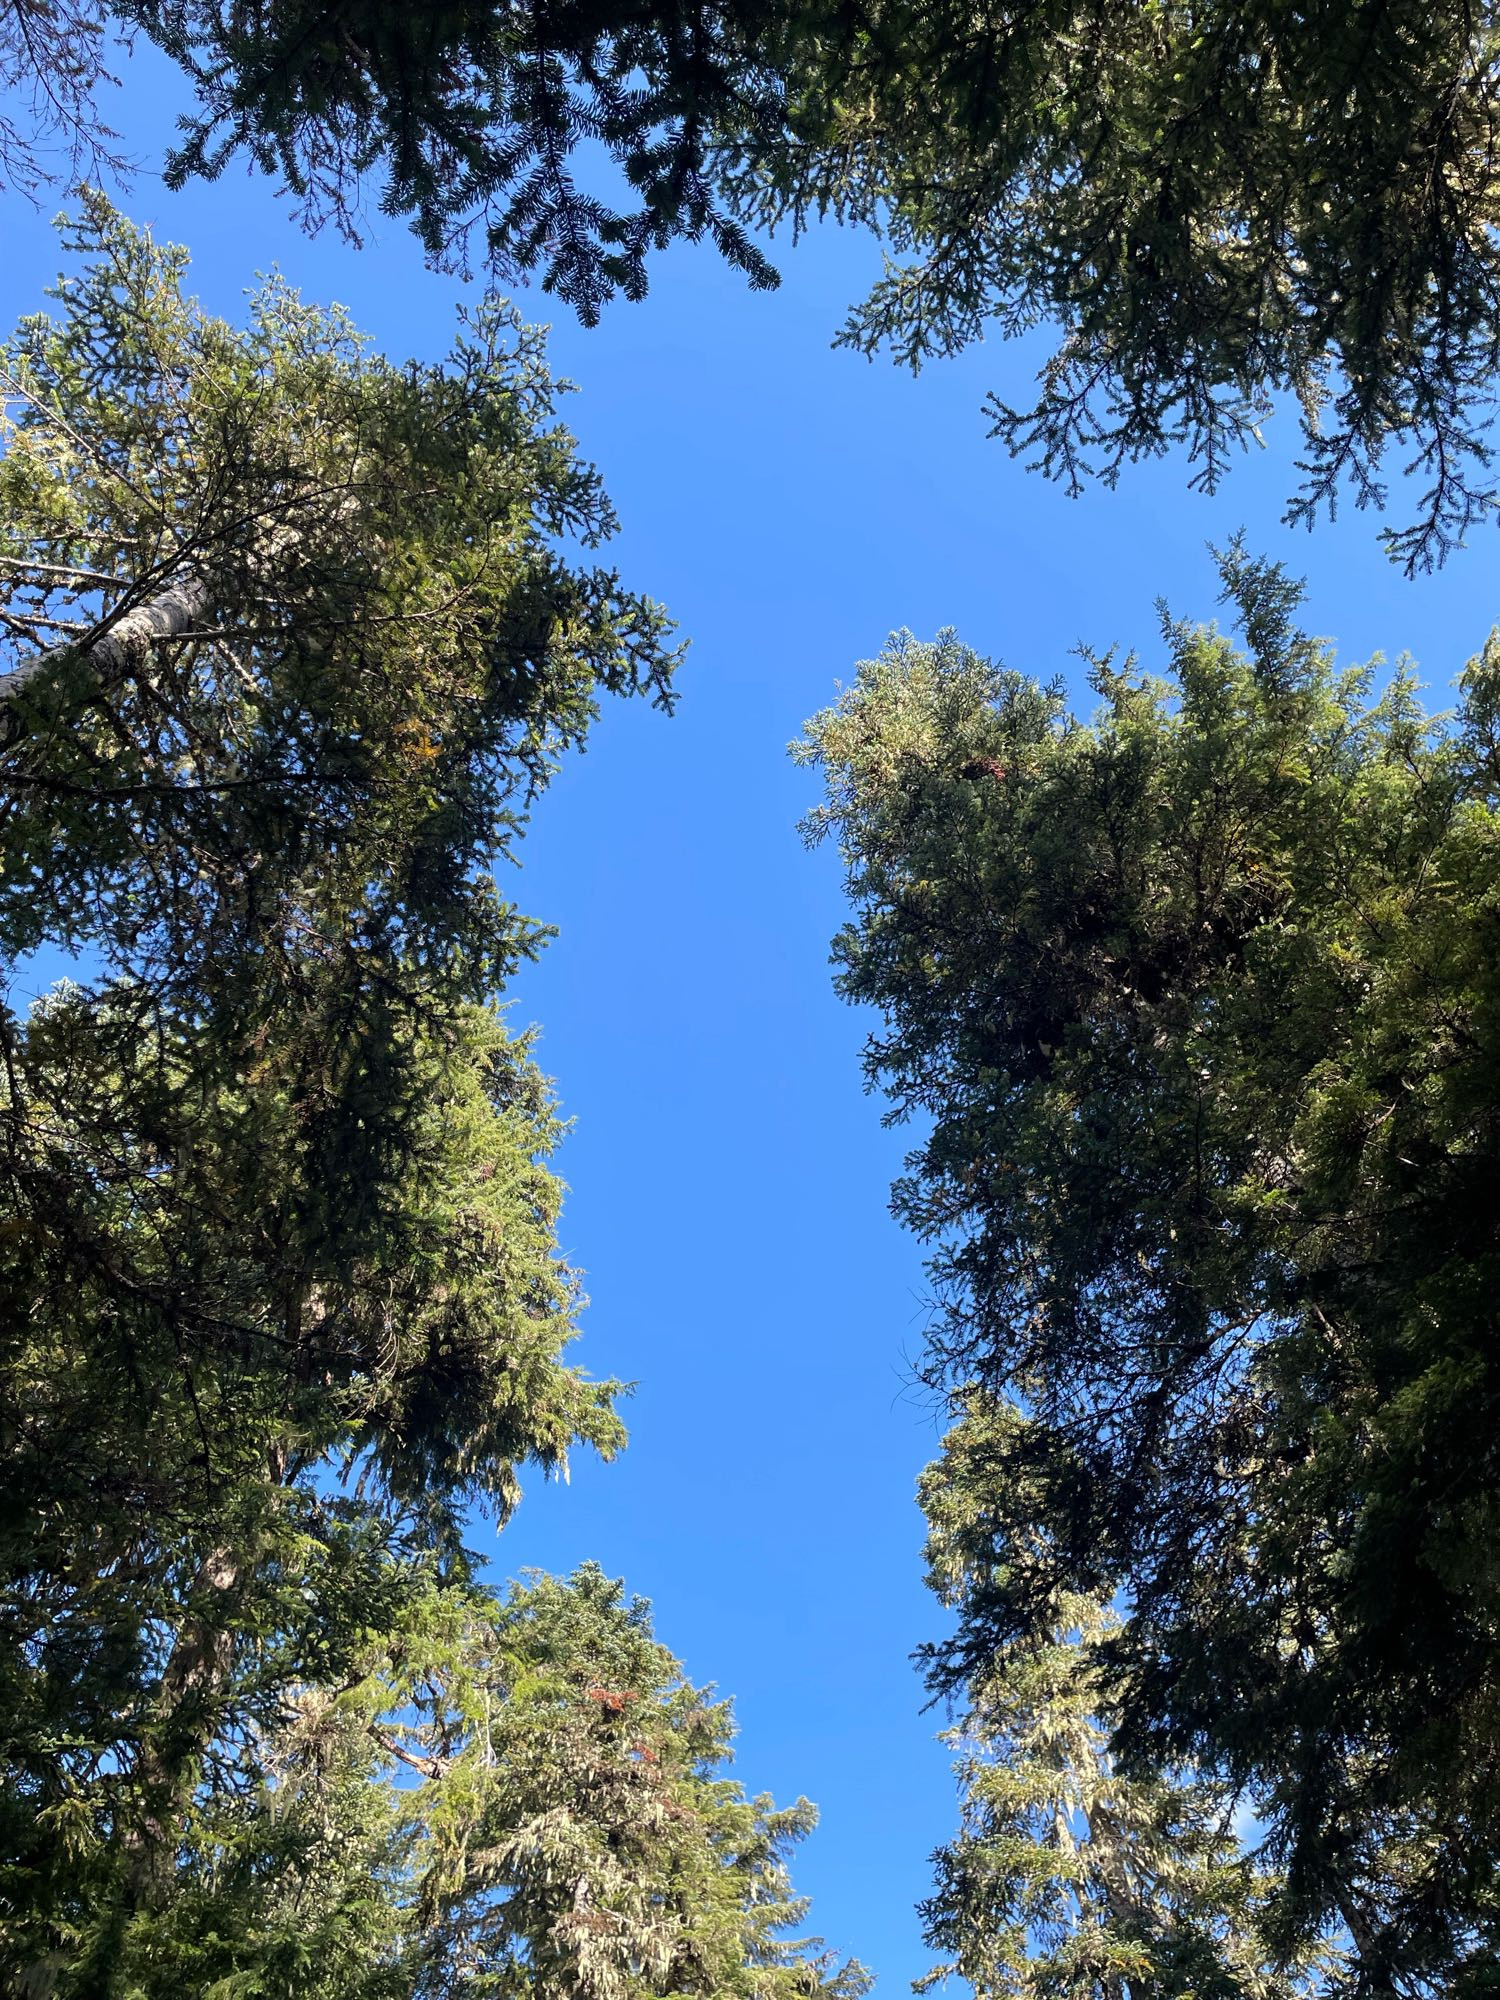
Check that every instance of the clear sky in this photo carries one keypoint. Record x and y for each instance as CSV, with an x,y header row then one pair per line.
x,y
791,505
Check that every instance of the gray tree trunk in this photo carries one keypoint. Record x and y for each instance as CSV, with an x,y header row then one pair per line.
x,y
125,647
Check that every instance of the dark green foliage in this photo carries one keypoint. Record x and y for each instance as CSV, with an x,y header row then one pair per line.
x,y
1203,1001
386,652
1219,205
472,112
280,1136
295,637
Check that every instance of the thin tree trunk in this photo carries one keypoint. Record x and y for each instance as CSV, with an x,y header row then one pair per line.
x,y
195,1675
183,605
1357,1925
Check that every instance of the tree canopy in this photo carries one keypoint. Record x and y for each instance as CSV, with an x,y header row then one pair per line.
x,y
1215,208
491,1796
1198,1004
1200,1001
294,637
272,824
470,116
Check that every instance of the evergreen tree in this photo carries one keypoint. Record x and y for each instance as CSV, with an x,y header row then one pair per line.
x,y
1071,1878
1219,207
293,645
471,114
496,1796
1200,999
295,637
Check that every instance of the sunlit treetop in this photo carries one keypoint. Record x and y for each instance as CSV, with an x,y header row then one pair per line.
x,y
293,635
467,1796
1198,1003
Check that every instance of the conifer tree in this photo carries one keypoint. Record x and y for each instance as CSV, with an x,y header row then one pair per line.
x,y
293,646
294,638
1073,1877
471,114
516,1795
1220,208
1199,999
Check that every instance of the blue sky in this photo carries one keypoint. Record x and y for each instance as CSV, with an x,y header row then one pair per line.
x,y
791,505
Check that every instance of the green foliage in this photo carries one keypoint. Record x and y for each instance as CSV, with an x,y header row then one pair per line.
x,y
274,1182
385,653
1072,1879
471,113
1202,1001
295,638
1218,205
493,1797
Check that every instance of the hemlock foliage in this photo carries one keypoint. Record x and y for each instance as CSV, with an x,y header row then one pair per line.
x,y
1200,999
469,115
294,638
1072,1878
491,1796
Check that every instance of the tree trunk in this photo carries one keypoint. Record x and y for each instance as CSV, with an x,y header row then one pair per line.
x,y
119,651
195,1674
